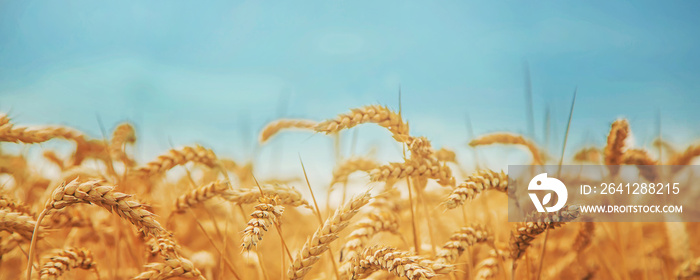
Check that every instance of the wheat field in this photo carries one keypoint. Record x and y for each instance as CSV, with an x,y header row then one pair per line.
x,y
192,213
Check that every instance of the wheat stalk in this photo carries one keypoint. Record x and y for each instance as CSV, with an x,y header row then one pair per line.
x,y
509,139
65,260
487,269
461,240
276,126
380,115
476,183
321,239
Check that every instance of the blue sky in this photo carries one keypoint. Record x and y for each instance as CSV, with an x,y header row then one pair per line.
x,y
215,73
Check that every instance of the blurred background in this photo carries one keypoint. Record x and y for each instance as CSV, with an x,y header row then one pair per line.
x,y
216,73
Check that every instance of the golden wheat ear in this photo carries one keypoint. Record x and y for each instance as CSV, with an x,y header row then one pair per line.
x,y
327,233
65,260
271,129
475,184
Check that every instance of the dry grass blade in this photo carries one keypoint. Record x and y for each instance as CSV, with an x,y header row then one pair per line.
x,y
271,129
266,214
380,115
65,260
176,157
509,139
311,252
461,240
476,183
170,268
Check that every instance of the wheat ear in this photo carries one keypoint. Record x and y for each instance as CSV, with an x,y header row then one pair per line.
x,y
93,192
17,222
476,183
414,168
348,166
163,244
176,157
400,263
637,157
590,154
363,231
266,214
686,156
461,240
487,269
10,133
276,126
313,248
509,139
525,232
285,195
11,204
123,134
201,194
64,261
584,236
443,154
619,130
172,267
380,115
